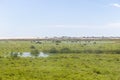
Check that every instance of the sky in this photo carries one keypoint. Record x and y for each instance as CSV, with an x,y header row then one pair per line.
x,y
41,18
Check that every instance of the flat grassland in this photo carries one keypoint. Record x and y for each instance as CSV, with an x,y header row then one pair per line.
x,y
68,60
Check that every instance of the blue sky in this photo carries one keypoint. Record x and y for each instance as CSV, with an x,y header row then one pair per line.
x,y
39,18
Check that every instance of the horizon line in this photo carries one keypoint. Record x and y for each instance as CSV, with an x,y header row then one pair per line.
x,y
60,37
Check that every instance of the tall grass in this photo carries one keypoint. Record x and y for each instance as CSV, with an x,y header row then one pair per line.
x,y
63,47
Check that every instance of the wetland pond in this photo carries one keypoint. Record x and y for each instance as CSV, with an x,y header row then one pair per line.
x,y
28,54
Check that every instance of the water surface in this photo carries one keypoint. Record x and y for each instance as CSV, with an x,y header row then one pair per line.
x,y
29,54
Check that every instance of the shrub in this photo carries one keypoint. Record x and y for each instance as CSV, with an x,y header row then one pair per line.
x,y
32,47
88,51
0,78
58,41
0,56
14,54
34,52
53,50
65,50
38,42
116,51
98,51
94,43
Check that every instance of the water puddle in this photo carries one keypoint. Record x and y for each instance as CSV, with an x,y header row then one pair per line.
x,y
28,54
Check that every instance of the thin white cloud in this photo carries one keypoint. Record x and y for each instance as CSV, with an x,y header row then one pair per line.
x,y
116,5
113,25
73,26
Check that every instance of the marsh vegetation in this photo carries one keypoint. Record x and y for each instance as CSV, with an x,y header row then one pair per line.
x,y
65,60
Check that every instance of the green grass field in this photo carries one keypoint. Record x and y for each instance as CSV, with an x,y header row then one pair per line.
x,y
95,60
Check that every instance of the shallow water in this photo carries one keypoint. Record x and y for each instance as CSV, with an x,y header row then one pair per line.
x,y
28,54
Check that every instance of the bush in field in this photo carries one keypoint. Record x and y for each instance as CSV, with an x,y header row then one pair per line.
x,y
1,57
58,41
14,55
32,47
53,50
116,51
38,42
57,44
94,43
88,51
34,52
21,53
98,51
0,78
65,50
